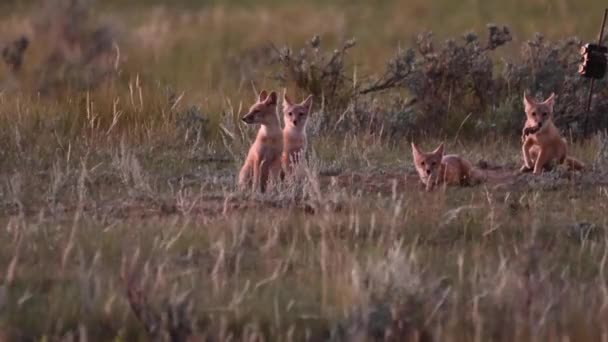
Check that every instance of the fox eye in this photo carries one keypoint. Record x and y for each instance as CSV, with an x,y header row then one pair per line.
x,y
433,163
422,163
533,113
544,114
290,113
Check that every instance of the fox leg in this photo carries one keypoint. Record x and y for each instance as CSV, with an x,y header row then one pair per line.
x,y
264,170
289,163
244,174
430,184
285,167
534,151
256,173
276,171
541,160
434,179
526,153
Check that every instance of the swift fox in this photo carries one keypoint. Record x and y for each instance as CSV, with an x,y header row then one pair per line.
x,y
264,157
542,142
435,168
294,133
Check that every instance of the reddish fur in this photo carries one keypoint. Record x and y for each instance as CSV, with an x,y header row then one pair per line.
x,y
545,145
264,157
436,168
294,134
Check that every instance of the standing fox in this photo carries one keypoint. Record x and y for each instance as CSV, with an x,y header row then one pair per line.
x,y
435,168
294,133
264,157
542,143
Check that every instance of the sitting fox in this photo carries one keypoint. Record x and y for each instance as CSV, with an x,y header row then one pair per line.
x,y
294,133
264,157
542,142
435,168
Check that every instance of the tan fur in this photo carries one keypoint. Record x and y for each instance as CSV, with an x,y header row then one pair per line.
x,y
264,157
435,168
542,142
294,134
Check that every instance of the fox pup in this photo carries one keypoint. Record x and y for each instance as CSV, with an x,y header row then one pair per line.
x,y
542,142
436,168
264,157
294,133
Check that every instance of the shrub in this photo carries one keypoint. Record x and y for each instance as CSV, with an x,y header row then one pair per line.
x,y
448,86
322,74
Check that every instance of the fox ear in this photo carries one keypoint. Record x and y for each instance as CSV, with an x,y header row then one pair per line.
x,y
528,101
272,98
263,95
307,103
550,101
286,99
415,151
439,150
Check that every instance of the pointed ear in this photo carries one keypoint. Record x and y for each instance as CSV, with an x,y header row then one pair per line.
x,y
263,95
286,100
528,102
272,98
439,150
307,103
550,101
415,151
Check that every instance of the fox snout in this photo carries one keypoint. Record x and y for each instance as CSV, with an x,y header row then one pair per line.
x,y
249,118
538,124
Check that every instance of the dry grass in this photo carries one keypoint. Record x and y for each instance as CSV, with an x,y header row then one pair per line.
x,y
354,248
121,219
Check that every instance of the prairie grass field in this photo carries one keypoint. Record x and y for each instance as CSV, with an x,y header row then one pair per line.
x,y
121,141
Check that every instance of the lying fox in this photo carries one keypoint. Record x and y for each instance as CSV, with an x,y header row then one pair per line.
x,y
542,143
435,168
264,157
294,133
